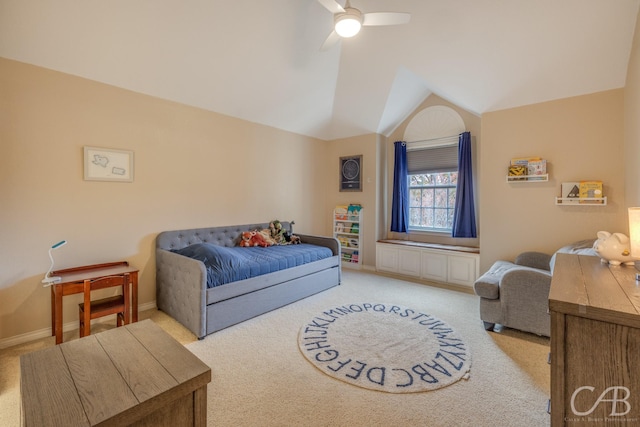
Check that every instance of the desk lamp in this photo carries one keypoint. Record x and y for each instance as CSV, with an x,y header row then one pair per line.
x,y
634,236
48,280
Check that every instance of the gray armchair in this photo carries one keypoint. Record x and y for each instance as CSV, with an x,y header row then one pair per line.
x,y
516,294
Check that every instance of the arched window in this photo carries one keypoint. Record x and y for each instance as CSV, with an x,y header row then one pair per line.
x,y
432,167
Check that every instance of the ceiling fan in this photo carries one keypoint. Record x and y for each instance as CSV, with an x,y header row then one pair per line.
x,y
348,20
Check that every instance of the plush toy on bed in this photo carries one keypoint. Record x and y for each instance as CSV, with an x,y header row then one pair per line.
x,y
280,235
277,232
265,233
293,239
253,238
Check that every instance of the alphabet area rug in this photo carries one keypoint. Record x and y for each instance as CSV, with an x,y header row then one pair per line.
x,y
385,347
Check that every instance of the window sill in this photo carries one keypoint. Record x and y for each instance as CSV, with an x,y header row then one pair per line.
x,y
427,231
410,243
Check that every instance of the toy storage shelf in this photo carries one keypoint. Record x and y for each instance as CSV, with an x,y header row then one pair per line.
x,y
527,178
585,201
347,229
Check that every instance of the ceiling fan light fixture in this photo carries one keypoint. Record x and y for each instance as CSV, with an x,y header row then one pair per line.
x,y
348,24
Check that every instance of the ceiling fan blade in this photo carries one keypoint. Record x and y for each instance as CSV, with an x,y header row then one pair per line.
x,y
386,18
332,6
331,41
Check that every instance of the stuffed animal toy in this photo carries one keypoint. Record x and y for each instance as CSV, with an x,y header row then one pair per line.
x,y
265,233
613,248
294,240
253,238
280,235
277,232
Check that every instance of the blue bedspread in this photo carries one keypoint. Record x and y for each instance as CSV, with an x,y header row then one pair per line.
x,y
226,265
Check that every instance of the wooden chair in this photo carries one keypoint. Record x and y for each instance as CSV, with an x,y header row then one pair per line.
x,y
120,305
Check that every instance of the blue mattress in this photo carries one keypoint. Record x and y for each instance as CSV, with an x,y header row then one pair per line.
x,y
225,265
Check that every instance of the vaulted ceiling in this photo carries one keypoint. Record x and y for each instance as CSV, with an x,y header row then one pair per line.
x,y
260,60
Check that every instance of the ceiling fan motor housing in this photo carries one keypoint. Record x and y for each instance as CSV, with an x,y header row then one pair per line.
x,y
348,24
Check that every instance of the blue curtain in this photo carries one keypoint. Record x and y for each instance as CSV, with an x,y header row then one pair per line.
x,y
464,217
400,202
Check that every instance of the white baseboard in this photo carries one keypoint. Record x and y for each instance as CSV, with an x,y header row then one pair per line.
x,y
69,326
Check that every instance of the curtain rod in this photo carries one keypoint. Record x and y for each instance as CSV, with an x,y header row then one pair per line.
x,y
442,138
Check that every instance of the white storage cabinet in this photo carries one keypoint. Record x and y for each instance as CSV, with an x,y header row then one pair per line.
x,y
440,265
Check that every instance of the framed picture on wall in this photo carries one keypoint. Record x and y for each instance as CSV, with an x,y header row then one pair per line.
x,y
351,173
106,164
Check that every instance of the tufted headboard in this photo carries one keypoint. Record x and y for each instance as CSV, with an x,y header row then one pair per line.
x,y
222,236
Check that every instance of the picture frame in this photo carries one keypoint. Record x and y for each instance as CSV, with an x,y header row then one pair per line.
x,y
107,164
351,173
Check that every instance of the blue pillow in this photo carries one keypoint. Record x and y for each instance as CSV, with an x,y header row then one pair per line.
x,y
222,263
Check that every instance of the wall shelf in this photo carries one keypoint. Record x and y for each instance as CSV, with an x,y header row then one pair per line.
x,y
527,178
585,201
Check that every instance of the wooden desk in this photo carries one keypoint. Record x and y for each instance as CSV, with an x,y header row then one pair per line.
x,y
595,343
133,375
72,283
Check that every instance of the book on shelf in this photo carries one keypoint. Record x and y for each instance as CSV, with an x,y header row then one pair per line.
x,y
590,190
537,167
523,161
341,211
343,228
344,241
518,171
571,192
355,228
353,211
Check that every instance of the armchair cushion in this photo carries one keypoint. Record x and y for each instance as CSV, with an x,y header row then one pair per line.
x,y
534,260
504,274
488,285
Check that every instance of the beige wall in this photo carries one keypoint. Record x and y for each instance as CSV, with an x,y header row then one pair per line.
x,y
192,169
195,168
582,139
472,124
367,146
632,123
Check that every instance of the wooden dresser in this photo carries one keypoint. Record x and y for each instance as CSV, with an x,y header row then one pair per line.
x,y
595,343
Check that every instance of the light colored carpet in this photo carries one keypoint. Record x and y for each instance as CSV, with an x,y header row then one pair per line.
x,y
259,377
384,347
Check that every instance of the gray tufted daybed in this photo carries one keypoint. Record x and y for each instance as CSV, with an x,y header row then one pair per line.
x,y
181,281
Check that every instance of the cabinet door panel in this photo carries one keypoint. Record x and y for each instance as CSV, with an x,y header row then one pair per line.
x,y
387,259
462,270
434,266
409,262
